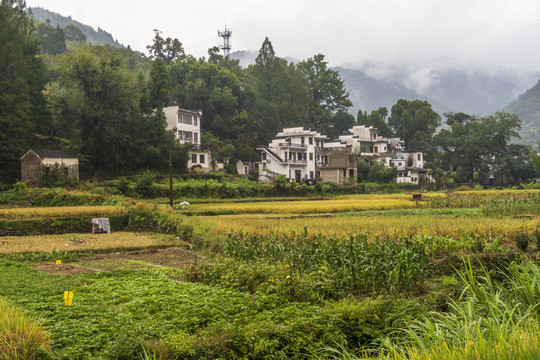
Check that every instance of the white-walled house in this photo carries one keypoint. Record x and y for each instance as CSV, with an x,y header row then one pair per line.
x,y
300,153
292,153
186,122
187,125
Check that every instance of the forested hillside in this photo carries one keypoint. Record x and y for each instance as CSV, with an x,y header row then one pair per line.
x,y
527,107
99,37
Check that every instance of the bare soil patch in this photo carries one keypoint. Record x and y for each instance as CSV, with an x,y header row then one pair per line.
x,y
61,269
174,257
170,257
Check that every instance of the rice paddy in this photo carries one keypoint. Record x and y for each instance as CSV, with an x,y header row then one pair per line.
x,y
61,212
83,242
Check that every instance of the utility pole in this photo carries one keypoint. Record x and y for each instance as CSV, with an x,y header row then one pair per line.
x,y
170,168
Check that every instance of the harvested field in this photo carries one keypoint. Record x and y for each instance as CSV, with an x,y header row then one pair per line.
x,y
85,242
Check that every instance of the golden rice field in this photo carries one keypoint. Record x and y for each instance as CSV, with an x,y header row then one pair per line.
x,y
84,242
376,226
341,204
60,212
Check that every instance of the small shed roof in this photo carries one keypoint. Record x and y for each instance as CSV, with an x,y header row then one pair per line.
x,y
50,153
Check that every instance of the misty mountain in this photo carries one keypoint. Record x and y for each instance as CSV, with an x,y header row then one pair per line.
x,y
366,93
527,107
446,83
454,85
369,94
100,37
476,92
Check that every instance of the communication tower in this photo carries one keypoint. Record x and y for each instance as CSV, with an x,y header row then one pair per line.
x,y
226,35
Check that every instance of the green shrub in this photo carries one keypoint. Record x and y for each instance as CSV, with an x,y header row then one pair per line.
x,y
536,237
145,216
522,241
144,184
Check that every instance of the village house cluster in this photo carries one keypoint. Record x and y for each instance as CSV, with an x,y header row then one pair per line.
x,y
305,155
302,155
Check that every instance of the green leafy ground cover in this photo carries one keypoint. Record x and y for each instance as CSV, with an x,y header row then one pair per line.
x,y
115,314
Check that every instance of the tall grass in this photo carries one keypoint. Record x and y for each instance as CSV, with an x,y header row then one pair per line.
x,y
488,321
21,337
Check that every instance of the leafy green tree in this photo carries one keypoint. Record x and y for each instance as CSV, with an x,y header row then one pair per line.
x,y
167,49
380,173
214,89
52,39
483,145
362,170
293,99
268,72
160,84
326,89
377,118
342,121
221,148
97,105
22,80
414,122
73,33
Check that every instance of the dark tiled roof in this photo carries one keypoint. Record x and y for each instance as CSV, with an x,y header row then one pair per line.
x,y
54,153
187,111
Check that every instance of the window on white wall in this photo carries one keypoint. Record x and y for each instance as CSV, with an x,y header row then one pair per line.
x,y
193,158
187,119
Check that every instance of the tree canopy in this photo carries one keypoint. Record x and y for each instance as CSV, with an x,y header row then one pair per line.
x,y
414,122
482,145
22,81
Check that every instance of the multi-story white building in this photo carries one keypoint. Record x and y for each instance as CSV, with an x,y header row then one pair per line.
x,y
293,153
304,154
188,131
186,122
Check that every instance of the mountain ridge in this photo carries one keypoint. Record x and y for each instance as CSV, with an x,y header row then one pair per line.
x,y
99,36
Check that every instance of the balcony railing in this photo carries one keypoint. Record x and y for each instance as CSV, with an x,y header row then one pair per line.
x,y
300,162
293,145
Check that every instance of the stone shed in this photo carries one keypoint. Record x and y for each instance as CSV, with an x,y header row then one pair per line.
x,y
46,160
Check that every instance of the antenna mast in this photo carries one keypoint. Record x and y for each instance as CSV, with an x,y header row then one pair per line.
x,y
226,35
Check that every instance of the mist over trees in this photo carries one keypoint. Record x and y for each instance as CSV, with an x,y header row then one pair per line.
x,y
106,104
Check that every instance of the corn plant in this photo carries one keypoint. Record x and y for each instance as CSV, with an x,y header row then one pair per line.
x,y
368,265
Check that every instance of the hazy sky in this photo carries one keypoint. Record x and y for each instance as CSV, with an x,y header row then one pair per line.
x,y
345,31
